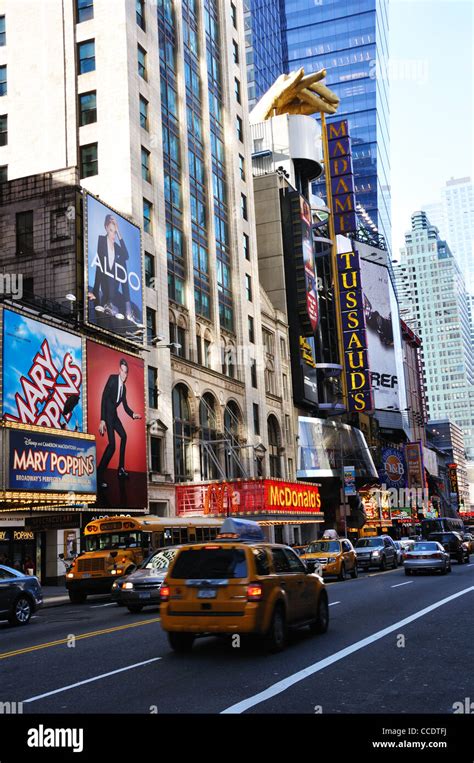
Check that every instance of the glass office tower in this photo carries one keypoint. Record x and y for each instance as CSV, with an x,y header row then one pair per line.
x,y
264,47
349,39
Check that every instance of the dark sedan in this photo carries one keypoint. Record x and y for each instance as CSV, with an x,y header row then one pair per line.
x,y
142,587
20,595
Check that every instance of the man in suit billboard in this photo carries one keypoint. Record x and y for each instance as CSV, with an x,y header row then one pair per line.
x,y
114,395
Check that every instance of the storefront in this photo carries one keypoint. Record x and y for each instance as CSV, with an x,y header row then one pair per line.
x,y
289,512
18,548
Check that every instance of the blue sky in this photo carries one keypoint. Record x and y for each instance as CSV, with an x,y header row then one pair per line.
x,y
431,102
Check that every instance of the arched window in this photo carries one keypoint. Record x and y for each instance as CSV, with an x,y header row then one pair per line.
x,y
232,430
208,425
274,441
182,434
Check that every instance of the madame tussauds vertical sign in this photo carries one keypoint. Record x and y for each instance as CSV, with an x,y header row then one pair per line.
x,y
356,361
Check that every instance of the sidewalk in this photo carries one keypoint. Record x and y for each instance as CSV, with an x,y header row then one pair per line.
x,y
54,595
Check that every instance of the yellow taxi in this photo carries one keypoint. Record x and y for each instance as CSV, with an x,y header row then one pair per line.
x,y
335,556
240,584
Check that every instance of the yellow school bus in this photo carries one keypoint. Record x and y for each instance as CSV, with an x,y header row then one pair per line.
x,y
114,546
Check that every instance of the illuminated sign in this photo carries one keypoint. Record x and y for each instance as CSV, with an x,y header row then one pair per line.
x,y
50,462
393,471
244,497
453,479
356,362
342,177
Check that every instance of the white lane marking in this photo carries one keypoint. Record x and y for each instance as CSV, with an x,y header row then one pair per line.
x,y
96,606
290,681
470,565
90,680
333,603
409,582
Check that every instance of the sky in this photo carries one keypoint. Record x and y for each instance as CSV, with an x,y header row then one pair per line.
x,y
431,102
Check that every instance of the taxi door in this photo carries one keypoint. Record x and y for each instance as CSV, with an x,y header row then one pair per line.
x,y
305,588
348,555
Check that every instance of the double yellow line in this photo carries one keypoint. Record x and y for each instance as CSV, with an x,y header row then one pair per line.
x,y
49,644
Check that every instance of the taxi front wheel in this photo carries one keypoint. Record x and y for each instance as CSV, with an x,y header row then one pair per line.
x,y
321,623
181,642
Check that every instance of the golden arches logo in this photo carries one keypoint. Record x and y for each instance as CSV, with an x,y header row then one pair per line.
x,y
214,499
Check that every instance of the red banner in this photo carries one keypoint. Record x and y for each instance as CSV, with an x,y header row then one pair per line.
x,y
246,497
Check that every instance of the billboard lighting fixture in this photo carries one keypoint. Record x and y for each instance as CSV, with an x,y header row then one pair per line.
x,y
70,297
99,309
119,316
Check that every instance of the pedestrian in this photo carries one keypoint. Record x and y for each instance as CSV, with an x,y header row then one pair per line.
x,y
17,566
29,566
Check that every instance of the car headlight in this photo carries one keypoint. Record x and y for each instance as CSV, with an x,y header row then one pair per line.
x,y
331,559
375,553
116,572
127,586
115,586
70,575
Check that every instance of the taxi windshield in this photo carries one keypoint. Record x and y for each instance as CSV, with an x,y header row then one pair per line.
x,y
211,563
323,546
161,560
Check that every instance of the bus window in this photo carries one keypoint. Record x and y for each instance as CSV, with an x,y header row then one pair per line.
x,y
205,533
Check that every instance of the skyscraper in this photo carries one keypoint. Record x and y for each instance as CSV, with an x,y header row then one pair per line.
x,y
453,215
350,40
148,101
263,45
433,298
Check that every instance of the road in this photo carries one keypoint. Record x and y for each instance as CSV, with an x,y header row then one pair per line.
x,y
394,645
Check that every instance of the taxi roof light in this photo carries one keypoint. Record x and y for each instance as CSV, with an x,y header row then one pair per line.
x,y
240,529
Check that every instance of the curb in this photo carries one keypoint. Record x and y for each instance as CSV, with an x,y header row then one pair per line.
x,y
55,601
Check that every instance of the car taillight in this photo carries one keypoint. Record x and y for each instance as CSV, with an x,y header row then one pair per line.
x,y
165,593
254,592
438,555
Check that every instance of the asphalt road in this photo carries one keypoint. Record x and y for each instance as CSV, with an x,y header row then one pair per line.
x,y
395,644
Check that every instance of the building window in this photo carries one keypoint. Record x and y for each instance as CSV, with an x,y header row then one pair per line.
x,y
178,337
143,113
86,56
283,348
235,52
142,62
3,34
156,451
248,287
240,130
150,325
87,108
146,175
274,444
24,232
238,96
140,5
233,13
253,372
251,329
182,430
208,433
152,387
285,386
89,161
84,10
149,270
4,130
242,167
147,209
256,419
288,428
246,243
243,206
4,173
3,80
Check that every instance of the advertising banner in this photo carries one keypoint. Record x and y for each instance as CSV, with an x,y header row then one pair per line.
x,y
384,341
394,471
42,374
48,462
113,274
415,466
116,416
309,265
453,480
349,480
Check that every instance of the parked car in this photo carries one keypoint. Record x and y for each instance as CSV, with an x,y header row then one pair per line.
x,y
469,538
453,542
336,557
379,551
427,555
20,595
142,587
240,585
399,548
